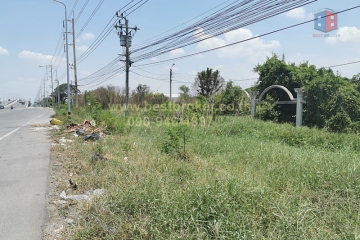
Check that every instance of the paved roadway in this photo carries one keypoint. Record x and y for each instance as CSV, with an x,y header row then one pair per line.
x,y
24,162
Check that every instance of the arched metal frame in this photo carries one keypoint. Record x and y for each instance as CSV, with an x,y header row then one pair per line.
x,y
277,86
299,101
247,94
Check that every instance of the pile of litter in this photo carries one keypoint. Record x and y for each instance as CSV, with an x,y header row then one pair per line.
x,y
88,130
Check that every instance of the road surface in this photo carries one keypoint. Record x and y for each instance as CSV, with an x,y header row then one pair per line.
x,y
24,162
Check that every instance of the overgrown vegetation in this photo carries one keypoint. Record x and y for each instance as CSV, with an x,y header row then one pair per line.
x,y
245,179
238,177
332,101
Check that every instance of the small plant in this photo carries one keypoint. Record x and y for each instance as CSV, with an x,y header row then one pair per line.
x,y
100,148
126,146
177,137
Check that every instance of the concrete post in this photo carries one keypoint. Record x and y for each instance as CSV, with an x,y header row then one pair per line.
x,y
299,105
253,103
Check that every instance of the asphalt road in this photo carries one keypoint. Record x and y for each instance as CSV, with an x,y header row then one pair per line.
x,y
24,163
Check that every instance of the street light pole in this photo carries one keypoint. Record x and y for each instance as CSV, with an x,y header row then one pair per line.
x,y
67,62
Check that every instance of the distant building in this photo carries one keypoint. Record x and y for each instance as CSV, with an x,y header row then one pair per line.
x,y
174,96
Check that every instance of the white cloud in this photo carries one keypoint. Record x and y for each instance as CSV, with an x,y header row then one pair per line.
x,y
178,51
252,48
3,51
35,56
82,48
218,67
87,36
297,13
346,34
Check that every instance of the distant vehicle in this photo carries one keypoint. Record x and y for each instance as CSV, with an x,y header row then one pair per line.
x,y
2,106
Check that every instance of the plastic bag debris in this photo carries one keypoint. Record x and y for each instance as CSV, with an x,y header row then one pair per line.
x,y
55,121
92,136
97,157
64,140
80,131
95,192
74,197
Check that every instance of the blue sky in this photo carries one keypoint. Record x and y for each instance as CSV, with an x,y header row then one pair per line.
x,y
31,35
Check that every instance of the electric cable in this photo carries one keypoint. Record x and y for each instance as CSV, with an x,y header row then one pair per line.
x,y
81,11
90,18
245,40
274,6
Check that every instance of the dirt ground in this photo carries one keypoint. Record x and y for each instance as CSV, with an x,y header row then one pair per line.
x,y
61,213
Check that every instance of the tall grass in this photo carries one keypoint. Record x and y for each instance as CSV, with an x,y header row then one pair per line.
x,y
245,179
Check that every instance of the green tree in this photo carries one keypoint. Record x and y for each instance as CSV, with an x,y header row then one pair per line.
x,y
229,99
109,95
138,95
185,96
208,82
156,98
332,102
63,92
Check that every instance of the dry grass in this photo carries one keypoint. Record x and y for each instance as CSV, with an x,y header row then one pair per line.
x,y
250,184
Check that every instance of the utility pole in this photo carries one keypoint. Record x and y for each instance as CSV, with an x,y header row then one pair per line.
x,y
75,73
125,41
44,98
171,81
58,92
67,61
52,82
52,88
127,67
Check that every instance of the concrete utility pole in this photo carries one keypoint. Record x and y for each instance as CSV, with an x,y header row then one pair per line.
x,y
171,81
44,96
58,92
52,88
127,66
52,83
125,41
67,62
75,73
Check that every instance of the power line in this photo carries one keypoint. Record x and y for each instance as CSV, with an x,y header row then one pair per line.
x,y
72,10
231,18
216,19
81,11
142,43
103,35
90,18
343,64
136,8
248,39
158,74
159,79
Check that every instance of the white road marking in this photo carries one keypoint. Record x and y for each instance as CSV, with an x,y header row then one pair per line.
x,y
8,134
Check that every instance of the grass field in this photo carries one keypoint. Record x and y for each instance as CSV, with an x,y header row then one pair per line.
x,y
241,179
